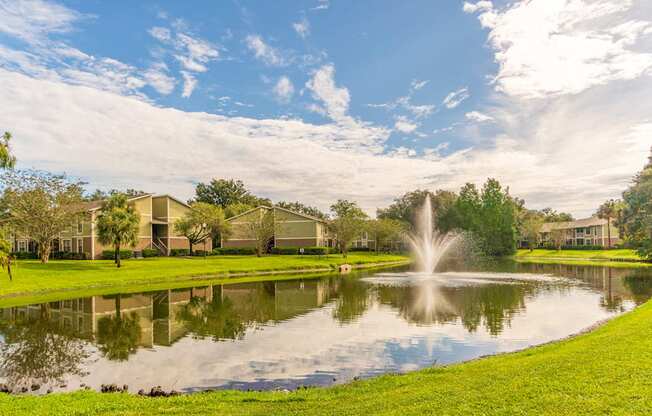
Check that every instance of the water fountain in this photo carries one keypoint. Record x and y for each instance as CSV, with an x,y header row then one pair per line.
x,y
427,244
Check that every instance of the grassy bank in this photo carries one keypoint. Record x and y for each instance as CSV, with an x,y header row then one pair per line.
x,y
603,372
625,254
31,278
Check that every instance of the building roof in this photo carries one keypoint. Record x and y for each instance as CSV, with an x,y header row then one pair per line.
x,y
95,205
279,208
585,222
172,198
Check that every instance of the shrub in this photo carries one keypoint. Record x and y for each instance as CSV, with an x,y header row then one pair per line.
x,y
316,251
200,253
110,254
237,251
285,250
150,252
179,252
67,255
359,249
24,255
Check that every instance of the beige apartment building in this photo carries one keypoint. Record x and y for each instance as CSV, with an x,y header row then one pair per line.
x,y
584,232
291,229
158,213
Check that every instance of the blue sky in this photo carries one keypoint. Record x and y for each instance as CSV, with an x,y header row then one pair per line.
x,y
291,95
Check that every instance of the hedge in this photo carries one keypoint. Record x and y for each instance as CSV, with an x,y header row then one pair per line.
x,y
238,251
24,255
285,250
150,252
179,252
110,254
565,247
67,255
359,249
316,251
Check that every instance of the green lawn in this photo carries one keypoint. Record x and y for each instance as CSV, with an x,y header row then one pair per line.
x,y
580,254
33,278
603,372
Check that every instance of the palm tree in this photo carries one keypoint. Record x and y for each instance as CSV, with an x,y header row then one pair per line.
x,y
609,210
118,335
7,160
118,224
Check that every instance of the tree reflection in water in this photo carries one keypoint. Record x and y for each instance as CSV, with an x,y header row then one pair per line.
x,y
38,350
118,336
216,319
353,301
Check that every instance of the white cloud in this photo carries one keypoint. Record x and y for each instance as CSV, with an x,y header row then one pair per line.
x,y
160,33
302,27
336,99
556,47
284,89
34,20
404,125
189,84
157,77
455,98
264,52
323,5
418,84
479,6
405,102
478,116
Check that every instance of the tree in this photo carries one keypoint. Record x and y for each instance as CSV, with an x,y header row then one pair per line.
x,y
118,335
636,223
558,237
404,208
99,195
225,192
7,159
6,258
236,209
347,223
262,229
118,224
302,209
41,205
384,230
530,228
202,222
610,210
550,215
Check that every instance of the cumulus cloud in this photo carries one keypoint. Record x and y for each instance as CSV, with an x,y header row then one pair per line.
x,y
404,125
264,52
478,116
284,89
189,84
455,98
479,6
302,28
555,47
34,20
157,76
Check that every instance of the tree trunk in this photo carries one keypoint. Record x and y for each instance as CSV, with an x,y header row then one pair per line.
x,y
117,255
190,242
609,231
11,278
44,251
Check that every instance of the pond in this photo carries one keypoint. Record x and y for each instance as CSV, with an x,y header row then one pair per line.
x,y
306,332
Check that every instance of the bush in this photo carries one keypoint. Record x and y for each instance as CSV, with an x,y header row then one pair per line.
x,y
316,251
179,252
110,254
150,252
285,250
200,253
67,255
234,251
359,249
24,255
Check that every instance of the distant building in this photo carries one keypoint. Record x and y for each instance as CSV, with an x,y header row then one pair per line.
x,y
292,229
158,213
585,232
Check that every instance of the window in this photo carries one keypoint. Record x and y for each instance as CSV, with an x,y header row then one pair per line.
x,y
80,227
22,245
80,246
67,245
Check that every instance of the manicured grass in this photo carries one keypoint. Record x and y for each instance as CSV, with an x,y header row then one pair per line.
x,y
33,278
603,372
580,254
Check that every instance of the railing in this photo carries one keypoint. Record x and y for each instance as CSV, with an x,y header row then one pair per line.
x,y
160,246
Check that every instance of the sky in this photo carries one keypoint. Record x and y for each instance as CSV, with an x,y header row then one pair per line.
x,y
320,100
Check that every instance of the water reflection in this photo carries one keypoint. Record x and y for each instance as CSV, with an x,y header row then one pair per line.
x,y
288,333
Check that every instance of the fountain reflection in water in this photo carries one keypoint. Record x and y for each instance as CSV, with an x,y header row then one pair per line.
x,y
428,245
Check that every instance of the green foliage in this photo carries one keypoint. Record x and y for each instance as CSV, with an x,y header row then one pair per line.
x,y
404,208
41,206
384,231
237,208
348,223
110,254
225,192
550,215
67,255
150,252
179,252
99,195
302,209
6,256
234,251
118,224
636,221
316,251
7,160
201,223
285,250
24,255
490,215
530,223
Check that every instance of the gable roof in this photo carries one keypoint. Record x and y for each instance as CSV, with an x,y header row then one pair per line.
x,y
279,208
247,212
172,198
310,217
95,205
585,222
